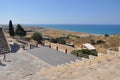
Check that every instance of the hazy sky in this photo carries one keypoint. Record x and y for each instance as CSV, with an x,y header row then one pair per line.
x,y
60,11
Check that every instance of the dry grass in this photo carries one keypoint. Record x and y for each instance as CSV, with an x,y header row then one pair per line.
x,y
77,38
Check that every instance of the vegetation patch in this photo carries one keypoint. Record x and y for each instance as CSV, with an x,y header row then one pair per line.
x,y
84,53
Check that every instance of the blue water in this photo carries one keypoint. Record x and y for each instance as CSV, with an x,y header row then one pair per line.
x,y
94,29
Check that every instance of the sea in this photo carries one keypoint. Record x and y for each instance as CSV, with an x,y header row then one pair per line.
x,y
92,29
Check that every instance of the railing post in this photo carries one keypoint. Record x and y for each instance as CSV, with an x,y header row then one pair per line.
x,y
49,45
57,48
30,46
0,62
66,51
37,45
4,57
23,47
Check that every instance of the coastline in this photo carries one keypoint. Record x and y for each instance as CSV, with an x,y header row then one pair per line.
x,y
92,29
88,29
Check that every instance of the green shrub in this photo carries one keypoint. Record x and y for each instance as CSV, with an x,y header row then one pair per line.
x,y
37,37
59,40
92,42
106,35
84,53
53,40
100,42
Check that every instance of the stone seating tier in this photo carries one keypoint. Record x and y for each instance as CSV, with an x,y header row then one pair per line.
x,y
83,63
4,47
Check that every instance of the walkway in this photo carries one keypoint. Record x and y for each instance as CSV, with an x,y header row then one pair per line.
x,y
52,56
20,65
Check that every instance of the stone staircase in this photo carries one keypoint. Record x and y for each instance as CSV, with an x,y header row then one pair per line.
x,y
102,67
4,47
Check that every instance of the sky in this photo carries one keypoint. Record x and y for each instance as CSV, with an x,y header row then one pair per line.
x,y
60,11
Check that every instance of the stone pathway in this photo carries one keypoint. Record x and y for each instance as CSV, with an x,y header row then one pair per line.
x,y
20,65
52,56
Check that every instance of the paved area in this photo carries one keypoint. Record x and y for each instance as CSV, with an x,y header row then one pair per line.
x,y
52,56
108,70
20,65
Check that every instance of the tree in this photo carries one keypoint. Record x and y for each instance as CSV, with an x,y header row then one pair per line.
x,y
20,31
100,42
11,29
37,37
92,42
106,35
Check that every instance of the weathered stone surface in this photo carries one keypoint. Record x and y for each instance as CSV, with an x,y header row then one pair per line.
x,y
20,65
103,70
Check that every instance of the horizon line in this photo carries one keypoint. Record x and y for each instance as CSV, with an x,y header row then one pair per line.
x,y
56,24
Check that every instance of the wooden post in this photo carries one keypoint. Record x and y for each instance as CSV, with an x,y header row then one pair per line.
x,y
66,51
4,57
23,47
57,48
49,45
30,46
0,62
37,45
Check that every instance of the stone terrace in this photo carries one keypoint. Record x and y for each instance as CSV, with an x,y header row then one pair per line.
x,y
103,67
20,65
52,56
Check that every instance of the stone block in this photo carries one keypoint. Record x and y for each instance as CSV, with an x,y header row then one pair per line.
x,y
101,57
119,48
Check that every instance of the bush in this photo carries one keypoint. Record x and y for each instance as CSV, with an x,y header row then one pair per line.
x,y
92,42
75,52
106,35
84,53
62,41
99,42
37,37
53,40
59,40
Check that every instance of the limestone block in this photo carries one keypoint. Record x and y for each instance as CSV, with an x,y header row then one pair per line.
x,y
84,59
78,64
88,62
119,48
109,56
118,53
71,62
82,63
66,63
93,59
77,60
112,54
101,57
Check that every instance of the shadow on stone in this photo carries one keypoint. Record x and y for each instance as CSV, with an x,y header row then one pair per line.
x,y
8,60
2,64
14,48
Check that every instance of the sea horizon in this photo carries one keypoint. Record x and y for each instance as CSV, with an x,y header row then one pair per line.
x,y
85,28
100,29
